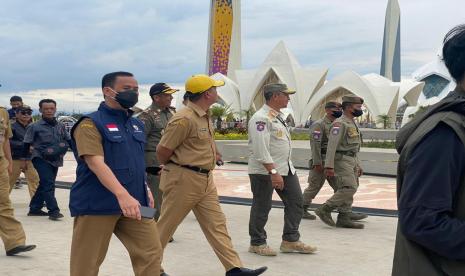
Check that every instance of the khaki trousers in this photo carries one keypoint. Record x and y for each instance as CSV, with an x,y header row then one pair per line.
x,y
91,237
11,230
345,168
185,190
31,176
316,180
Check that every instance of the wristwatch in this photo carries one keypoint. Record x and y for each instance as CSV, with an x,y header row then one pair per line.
x,y
273,171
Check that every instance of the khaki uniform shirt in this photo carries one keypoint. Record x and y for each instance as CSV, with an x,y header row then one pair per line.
x,y
319,133
344,137
88,138
269,142
155,120
190,135
5,129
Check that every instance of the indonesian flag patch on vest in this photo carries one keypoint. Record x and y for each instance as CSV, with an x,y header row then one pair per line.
x,y
112,127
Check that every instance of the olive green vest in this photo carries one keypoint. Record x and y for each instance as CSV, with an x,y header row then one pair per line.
x,y
411,258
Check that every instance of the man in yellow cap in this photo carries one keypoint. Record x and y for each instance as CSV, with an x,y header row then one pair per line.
x,y
188,152
342,162
155,118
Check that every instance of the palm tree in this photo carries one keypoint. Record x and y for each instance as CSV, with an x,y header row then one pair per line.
x,y
384,119
219,111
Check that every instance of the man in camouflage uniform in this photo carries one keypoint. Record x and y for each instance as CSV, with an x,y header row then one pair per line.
x,y
319,133
155,119
343,164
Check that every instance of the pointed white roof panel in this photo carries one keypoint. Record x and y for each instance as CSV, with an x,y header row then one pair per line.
x,y
229,93
308,82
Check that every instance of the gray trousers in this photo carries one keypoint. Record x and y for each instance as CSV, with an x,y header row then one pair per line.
x,y
153,182
291,196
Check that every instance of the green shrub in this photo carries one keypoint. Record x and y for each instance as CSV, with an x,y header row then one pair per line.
x,y
380,144
231,136
300,136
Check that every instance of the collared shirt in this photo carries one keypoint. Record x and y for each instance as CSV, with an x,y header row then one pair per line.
x,y
344,137
269,142
319,133
42,134
155,120
5,129
190,135
16,142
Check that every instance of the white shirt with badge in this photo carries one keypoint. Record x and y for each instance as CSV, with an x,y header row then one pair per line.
x,y
269,142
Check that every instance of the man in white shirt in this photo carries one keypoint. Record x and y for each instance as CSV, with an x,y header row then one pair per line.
x,y
270,168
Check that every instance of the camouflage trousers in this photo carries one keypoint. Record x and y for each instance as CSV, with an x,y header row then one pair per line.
x,y
346,171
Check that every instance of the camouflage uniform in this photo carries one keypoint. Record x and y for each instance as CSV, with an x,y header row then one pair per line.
x,y
155,120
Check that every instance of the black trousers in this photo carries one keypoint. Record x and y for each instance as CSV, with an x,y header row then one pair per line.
x,y
291,196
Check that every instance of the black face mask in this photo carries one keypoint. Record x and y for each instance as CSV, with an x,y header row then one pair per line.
x,y
127,98
337,114
50,121
357,112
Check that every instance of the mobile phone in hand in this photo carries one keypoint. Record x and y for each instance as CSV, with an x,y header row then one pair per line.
x,y
147,212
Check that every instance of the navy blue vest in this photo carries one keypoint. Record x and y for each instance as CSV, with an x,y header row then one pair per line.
x,y
123,142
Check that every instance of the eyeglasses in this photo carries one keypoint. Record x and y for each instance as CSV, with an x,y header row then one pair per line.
x,y
26,112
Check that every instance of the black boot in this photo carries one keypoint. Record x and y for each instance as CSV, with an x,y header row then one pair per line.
x,y
324,213
307,214
344,221
242,271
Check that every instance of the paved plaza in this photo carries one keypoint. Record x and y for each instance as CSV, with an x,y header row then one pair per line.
x,y
340,251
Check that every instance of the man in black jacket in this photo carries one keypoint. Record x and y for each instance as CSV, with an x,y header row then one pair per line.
x,y
20,164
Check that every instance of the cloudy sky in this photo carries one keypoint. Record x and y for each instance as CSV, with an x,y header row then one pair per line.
x,y
70,44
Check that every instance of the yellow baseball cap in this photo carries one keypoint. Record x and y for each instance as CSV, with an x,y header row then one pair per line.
x,y
201,83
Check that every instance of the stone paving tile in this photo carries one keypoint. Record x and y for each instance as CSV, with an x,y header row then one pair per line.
x,y
232,180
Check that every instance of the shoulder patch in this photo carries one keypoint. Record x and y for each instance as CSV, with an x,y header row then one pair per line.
x,y
335,129
316,134
260,125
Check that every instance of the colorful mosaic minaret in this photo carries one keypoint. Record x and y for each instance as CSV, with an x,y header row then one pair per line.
x,y
390,60
224,42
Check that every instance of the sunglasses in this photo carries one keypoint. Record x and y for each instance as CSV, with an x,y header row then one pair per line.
x,y
26,112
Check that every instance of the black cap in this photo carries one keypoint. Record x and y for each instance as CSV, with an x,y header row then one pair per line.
x,y
24,108
161,87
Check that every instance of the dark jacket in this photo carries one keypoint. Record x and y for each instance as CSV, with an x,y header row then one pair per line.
x,y
123,140
414,254
16,142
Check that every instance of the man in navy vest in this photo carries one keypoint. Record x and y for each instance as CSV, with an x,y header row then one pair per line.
x,y
110,183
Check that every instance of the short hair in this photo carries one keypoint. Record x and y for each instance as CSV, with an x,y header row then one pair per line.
x,y
193,97
16,99
453,52
269,95
47,101
109,79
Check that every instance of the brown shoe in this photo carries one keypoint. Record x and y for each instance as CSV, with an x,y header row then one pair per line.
x,y
262,250
297,247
